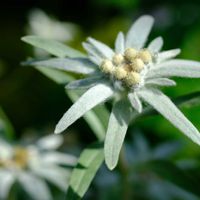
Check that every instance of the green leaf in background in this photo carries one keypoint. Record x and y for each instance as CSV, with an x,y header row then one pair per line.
x,y
89,162
117,128
53,47
170,172
5,126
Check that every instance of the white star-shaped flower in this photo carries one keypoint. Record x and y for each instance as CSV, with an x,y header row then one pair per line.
x,y
130,74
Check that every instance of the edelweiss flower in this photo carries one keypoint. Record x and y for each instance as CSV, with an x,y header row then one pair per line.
x,y
31,165
129,74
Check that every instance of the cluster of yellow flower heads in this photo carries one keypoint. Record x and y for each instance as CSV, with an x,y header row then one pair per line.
x,y
19,159
127,67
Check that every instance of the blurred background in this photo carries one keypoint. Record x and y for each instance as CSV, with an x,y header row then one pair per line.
x,y
32,101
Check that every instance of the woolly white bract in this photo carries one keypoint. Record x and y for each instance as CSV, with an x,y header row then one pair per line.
x,y
30,165
129,74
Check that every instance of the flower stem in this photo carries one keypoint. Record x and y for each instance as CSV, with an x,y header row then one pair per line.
x,y
124,170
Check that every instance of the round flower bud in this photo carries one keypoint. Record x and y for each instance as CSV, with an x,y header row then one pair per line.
x,y
145,55
130,54
127,67
120,73
137,65
132,78
118,59
107,66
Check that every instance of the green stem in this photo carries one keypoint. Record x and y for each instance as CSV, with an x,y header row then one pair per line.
x,y
124,169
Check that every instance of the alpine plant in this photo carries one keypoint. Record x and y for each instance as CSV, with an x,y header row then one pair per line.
x,y
130,74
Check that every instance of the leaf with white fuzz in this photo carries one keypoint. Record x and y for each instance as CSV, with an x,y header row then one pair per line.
x,y
34,186
139,32
117,128
92,51
166,107
160,82
176,67
156,45
76,65
84,83
53,47
106,51
120,43
165,55
135,102
87,101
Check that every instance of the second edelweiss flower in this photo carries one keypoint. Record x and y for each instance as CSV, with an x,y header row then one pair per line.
x,y
129,74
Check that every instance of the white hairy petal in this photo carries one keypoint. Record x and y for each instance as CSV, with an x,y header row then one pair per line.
x,y
176,67
117,128
120,43
166,107
58,158
135,101
76,65
166,55
160,82
50,142
139,32
34,186
53,174
93,53
156,45
6,181
87,101
85,83
106,51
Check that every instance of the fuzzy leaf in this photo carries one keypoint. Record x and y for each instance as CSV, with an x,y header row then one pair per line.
x,y
120,43
156,45
166,107
117,128
87,101
35,187
76,65
139,32
93,54
165,55
85,83
53,47
176,67
89,162
6,181
135,102
160,82
106,51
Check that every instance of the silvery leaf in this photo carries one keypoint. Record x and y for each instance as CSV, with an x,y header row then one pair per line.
x,y
165,55
139,32
135,101
106,51
85,83
76,65
117,128
120,43
87,101
50,142
7,179
93,53
156,45
166,107
95,60
176,67
6,150
58,158
160,82
34,186
53,47
53,174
